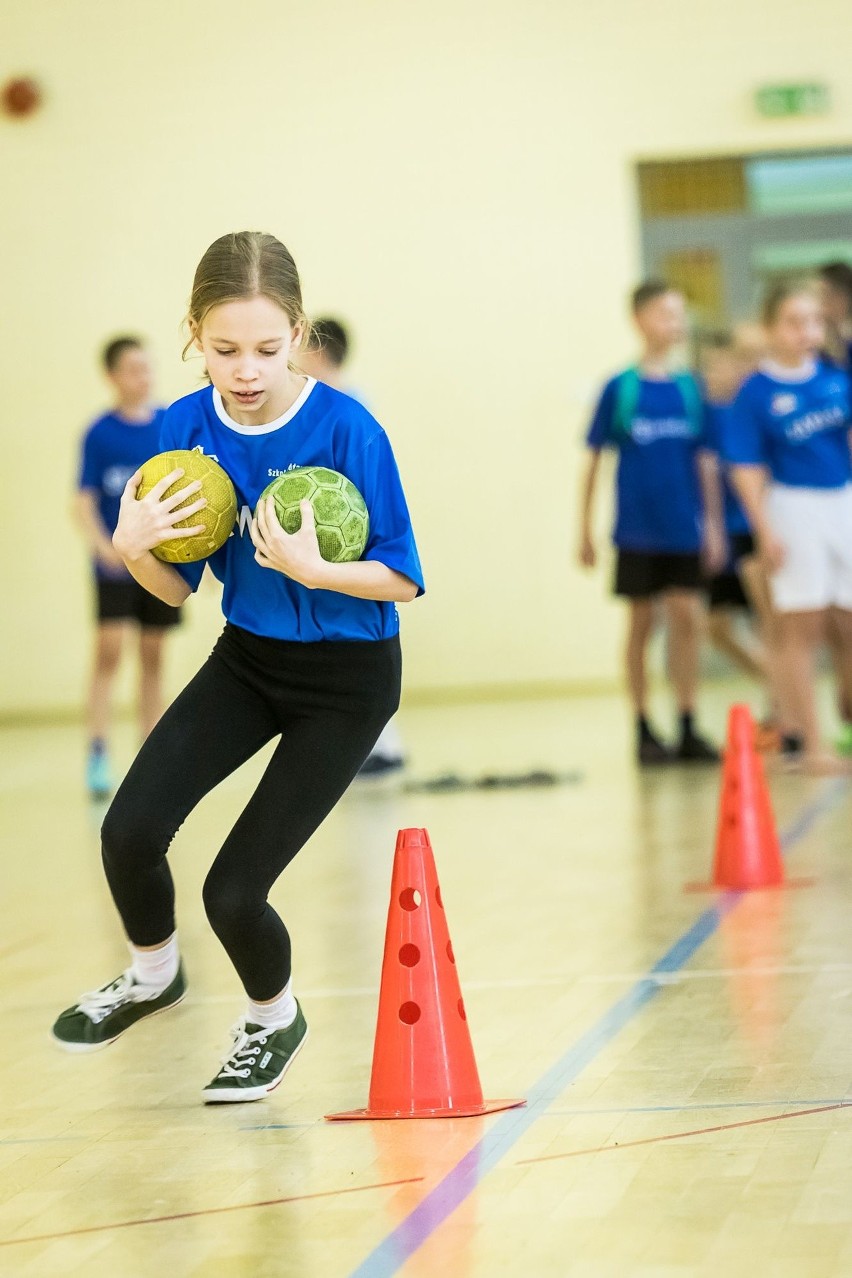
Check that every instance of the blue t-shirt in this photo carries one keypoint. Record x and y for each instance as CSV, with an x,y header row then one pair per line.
x,y
736,521
114,449
322,428
798,430
658,493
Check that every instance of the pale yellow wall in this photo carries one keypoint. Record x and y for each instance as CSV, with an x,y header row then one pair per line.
x,y
455,178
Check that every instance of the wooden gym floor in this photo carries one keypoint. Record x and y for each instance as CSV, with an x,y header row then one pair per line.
x,y
687,1058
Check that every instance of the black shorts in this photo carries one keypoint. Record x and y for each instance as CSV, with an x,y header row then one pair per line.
x,y
726,591
641,574
742,546
128,601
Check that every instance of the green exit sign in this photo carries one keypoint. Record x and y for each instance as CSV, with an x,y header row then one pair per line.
x,y
793,99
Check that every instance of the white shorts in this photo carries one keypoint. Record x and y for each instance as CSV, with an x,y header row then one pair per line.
x,y
815,527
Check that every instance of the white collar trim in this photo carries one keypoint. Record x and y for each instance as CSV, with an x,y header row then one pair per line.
x,y
267,427
781,373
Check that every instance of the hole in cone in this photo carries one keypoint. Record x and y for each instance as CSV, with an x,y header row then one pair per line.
x,y
409,1013
462,1012
450,955
438,897
409,955
409,899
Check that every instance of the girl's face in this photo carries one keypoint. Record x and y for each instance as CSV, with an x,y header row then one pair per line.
x,y
798,329
247,345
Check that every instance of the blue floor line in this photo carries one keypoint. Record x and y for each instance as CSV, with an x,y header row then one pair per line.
x,y
409,1236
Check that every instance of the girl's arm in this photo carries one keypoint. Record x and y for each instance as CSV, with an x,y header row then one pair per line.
x,y
587,553
97,538
150,522
714,547
750,483
297,555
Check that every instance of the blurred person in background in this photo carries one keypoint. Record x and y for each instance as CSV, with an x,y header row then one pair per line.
x,y
835,280
326,359
725,360
668,527
113,448
786,439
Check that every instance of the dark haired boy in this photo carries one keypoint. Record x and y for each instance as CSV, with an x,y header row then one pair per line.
x,y
115,446
668,512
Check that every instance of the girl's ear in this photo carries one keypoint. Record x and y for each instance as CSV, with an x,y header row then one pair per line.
x,y
195,334
298,334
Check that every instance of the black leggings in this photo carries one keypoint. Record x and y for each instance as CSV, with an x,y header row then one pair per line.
x,y
328,702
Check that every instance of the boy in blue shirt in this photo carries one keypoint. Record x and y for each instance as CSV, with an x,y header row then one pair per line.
x,y
113,448
668,512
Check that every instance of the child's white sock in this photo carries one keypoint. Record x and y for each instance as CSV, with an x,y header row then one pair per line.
x,y
156,968
278,1014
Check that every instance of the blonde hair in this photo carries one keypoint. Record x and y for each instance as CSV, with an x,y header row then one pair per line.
x,y
246,264
781,292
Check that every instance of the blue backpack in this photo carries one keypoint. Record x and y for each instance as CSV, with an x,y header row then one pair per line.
x,y
627,389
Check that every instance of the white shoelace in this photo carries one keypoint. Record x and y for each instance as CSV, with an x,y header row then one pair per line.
x,y
124,989
245,1048
99,1003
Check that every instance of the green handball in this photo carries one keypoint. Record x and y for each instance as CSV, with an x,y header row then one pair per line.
x,y
343,522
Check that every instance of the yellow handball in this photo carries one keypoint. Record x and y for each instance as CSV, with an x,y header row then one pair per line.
x,y
218,516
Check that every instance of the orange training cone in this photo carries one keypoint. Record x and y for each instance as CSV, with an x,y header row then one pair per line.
x,y
748,854
423,1062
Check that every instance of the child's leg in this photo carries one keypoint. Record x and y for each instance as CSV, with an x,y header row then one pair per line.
x,y
840,631
640,626
107,655
314,763
720,627
757,588
683,614
802,633
150,677
215,724
838,644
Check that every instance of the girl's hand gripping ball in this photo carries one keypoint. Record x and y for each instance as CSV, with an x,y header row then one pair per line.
x,y
179,522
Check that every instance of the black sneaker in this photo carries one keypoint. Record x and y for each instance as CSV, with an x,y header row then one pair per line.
x,y
258,1060
381,765
651,753
103,1015
694,749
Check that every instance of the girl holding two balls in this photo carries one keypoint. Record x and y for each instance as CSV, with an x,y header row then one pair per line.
x,y
310,655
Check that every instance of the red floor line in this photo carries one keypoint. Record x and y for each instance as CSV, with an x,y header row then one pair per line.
x,y
699,1131
208,1211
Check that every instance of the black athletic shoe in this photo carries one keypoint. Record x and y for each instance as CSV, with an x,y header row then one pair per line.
x,y
101,1016
381,765
257,1061
694,749
653,753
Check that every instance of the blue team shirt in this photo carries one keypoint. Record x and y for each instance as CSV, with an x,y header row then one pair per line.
x,y
323,428
797,430
736,521
113,450
658,493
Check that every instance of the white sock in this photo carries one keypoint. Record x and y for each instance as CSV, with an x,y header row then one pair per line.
x,y
278,1014
156,968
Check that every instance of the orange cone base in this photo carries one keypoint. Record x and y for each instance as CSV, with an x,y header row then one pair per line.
x,y
787,885
362,1115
